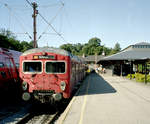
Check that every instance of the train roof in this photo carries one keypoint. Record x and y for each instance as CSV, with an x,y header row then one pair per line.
x,y
47,49
51,50
12,53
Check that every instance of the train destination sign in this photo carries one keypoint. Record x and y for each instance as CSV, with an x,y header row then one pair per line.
x,y
44,57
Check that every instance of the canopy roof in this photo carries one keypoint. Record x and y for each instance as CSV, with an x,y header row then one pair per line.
x,y
140,51
129,55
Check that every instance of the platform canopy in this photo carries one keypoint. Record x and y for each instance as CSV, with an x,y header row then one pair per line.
x,y
139,51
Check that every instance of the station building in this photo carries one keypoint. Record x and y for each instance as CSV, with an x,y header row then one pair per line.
x,y
133,59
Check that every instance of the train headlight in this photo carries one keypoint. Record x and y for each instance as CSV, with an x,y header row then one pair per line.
x,y
24,86
26,96
62,85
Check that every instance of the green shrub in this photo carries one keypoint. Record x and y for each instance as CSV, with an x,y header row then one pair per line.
x,y
139,77
132,76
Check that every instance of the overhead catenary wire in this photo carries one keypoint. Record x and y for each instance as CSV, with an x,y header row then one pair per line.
x,y
50,33
67,19
29,3
46,6
44,32
48,23
21,9
60,22
53,28
6,5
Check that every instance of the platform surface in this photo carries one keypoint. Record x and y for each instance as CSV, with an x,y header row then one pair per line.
x,y
106,99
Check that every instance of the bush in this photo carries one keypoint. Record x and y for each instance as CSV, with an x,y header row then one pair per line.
x,y
139,77
132,76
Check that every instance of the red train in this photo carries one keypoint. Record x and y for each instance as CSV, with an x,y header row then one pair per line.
x,y
49,74
9,66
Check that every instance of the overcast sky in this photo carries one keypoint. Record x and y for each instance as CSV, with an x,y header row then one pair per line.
x,y
124,21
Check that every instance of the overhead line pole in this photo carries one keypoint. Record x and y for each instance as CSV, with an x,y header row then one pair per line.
x,y
34,5
35,12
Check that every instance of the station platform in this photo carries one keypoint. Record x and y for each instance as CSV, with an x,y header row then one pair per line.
x,y
106,99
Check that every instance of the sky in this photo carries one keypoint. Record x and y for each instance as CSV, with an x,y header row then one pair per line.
x,y
124,21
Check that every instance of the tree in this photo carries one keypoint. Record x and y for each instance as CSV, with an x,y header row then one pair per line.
x,y
4,41
7,33
93,47
116,48
8,40
94,42
78,47
107,50
25,45
67,47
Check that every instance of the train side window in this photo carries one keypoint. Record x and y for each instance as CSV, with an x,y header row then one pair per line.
x,y
32,67
17,65
1,64
55,67
8,63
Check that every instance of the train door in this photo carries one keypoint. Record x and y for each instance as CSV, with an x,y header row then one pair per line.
x,y
74,73
73,77
3,76
10,68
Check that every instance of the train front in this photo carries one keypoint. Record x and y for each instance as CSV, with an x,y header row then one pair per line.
x,y
45,75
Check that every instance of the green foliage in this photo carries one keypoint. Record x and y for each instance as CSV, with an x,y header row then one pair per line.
x,y
7,33
8,40
4,41
107,50
68,47
75,49
140,67
25,46
116,49
132,76
94,42
139,77
91,48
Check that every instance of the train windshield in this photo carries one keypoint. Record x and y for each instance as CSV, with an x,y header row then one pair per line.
x,y
32,66
55,67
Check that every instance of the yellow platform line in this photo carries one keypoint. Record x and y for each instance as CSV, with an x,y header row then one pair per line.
x,y
84,103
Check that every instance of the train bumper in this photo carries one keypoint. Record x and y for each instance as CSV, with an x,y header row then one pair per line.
x,y
47,96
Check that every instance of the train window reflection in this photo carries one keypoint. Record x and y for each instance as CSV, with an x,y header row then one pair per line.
x,y
32,66
17,65
1,64
55,67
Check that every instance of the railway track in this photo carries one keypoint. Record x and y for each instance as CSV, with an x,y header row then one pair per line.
x,y
32,115
38,119
35,114
14,117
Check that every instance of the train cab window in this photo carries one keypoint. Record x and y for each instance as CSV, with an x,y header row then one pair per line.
x,y
32,67
55,67
1,64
